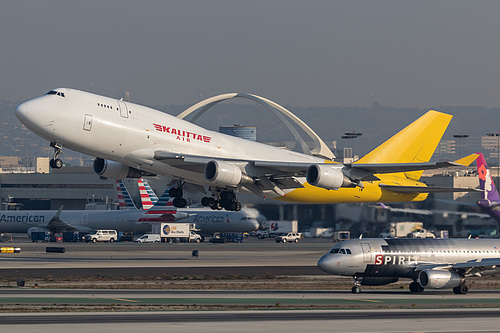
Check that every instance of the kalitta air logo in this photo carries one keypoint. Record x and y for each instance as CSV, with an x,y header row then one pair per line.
x,y
182,135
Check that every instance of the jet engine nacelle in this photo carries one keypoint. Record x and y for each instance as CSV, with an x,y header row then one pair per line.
x,y
115,170
327,177
437,279
223,173
378,281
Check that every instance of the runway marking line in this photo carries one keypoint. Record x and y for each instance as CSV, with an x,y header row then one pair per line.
x,y
124,300
363,300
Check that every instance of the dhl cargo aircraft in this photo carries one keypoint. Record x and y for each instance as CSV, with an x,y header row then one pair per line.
x,y
130,140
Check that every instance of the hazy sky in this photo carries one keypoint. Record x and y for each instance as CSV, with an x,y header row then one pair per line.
x,y
300,53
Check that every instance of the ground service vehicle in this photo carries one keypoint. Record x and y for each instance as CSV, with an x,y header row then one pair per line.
x,y
402,229
421,233
173,232
227,237
149,238
274,228
317,232
101,236
340,236
291,237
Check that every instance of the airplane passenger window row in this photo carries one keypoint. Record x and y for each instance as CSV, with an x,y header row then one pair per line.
x,y
425,251
105,106
53,92
341,251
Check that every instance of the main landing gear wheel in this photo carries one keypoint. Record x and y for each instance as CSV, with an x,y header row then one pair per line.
x,y
179,202
226,200
177,193
415,287
462,289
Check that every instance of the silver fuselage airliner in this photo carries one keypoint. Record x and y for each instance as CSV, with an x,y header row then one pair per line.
x,y
430,263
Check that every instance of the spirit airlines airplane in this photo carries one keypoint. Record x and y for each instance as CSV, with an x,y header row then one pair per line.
x,y
430,263
131,140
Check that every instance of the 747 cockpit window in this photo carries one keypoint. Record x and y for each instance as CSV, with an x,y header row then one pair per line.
x,y
53,92
341,251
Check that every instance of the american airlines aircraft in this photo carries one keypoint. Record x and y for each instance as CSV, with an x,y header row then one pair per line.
x,y
131,140
430,263
83,220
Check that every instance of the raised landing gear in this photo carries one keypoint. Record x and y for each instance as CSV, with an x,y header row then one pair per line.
x,y
177,193
56,162
226,200
462,289
415,287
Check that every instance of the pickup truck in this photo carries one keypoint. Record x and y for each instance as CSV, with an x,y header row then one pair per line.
x,y
289,237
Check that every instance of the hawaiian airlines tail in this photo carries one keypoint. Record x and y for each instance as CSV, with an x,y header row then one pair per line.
x,y
413,144
148,196
124,199
490,202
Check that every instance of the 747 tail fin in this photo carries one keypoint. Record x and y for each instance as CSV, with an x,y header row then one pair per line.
x,y
413,144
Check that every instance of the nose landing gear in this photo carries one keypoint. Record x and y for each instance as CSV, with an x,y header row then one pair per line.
x,y
357,285
56,162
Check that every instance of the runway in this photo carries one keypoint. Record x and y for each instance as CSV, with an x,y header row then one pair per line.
x,y
475,320
391,298
148,310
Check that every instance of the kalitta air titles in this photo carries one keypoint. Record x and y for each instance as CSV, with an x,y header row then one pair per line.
x,y
28,218
182,135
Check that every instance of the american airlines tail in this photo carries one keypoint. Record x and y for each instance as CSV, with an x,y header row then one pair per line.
x,y
413,144
163,211
490,203
148,196
124,199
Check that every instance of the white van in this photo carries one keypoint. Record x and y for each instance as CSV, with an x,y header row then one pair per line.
x,y
149,238
101,236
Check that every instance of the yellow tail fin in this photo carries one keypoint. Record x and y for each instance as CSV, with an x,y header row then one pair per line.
x,y
415,143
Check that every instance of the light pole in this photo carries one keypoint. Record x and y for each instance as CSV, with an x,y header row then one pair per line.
x,y
351,135
460,137
497,134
